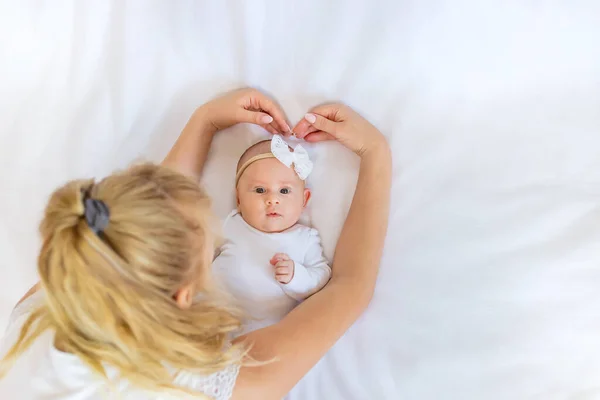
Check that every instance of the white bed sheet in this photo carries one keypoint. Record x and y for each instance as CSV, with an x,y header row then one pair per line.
x,y
489,287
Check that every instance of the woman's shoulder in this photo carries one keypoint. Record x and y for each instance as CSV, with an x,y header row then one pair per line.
x,y
63,375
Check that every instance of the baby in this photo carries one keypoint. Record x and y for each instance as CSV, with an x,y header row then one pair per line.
x,y
269,260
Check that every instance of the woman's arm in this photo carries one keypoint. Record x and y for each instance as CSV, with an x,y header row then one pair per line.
x,y
305,334
188,154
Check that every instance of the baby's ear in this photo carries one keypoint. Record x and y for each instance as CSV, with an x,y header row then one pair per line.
x,y
307,195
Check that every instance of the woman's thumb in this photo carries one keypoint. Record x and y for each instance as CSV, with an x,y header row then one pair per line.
x,y
322,123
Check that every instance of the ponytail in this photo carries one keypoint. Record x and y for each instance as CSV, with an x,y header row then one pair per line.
x,y
109,276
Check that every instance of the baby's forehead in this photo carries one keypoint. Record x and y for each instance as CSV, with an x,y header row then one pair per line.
x,y
270,171
255,150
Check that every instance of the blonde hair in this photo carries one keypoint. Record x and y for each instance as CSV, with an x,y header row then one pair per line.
x,y
109,297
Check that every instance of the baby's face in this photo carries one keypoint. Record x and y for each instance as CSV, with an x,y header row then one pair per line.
x,y
270,196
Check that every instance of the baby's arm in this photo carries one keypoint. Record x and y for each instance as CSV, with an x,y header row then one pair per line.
x,y
310,276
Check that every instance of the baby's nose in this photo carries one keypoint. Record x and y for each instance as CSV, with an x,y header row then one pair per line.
x,y
271,200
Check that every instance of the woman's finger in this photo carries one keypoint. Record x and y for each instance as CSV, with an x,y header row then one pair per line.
x,y
322,123
303,128
332,111
318,136
269,128
326,113
262,102
303,132
278,130
253,117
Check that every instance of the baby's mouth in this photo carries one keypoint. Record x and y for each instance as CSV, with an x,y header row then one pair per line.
x,y
273,215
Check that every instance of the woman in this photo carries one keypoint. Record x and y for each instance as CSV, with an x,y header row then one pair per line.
x,y
126,304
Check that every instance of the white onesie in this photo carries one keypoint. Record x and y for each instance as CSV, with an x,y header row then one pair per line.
x,y
243,268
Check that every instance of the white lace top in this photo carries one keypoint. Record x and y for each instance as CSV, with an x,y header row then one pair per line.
x,y
44,372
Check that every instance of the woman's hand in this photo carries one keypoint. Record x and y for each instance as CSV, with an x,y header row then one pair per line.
x,y
245,105
190,151
339,122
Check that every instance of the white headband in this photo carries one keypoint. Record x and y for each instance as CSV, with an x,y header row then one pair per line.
x,y
281,151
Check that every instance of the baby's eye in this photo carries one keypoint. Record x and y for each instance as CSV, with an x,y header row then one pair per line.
x,y
285,191
260,190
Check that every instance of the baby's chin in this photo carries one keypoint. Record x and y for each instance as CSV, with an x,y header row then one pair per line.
x,y
273,224
276,227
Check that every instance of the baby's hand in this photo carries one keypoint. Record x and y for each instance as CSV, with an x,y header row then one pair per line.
x,y
284,267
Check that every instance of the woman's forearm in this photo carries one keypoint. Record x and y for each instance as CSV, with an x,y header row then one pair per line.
x,y
359,249
190,151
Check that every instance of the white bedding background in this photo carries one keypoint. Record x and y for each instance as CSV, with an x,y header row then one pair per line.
x,y
490,283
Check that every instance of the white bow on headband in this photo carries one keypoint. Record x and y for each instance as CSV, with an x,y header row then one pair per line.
x,y
299,157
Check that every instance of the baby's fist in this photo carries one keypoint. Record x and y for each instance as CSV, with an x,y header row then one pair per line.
x,y
284,267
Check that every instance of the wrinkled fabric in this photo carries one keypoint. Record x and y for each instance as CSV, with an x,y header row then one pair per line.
x,y
489,285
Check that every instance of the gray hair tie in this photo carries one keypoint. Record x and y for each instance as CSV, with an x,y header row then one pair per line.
x,y
96,214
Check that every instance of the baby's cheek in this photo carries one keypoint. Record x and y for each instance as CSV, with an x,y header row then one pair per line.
x,y
298,207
